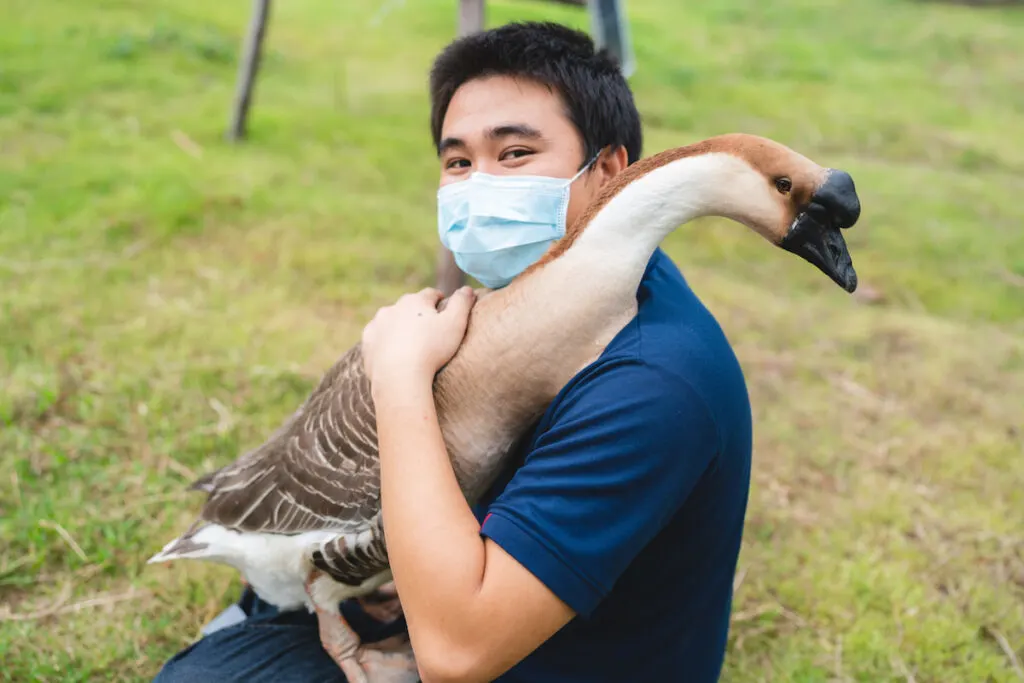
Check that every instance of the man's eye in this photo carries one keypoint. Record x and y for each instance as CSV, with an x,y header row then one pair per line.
x,y
516,153
457,163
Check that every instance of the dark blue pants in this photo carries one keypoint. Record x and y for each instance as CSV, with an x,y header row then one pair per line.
x,y
270,647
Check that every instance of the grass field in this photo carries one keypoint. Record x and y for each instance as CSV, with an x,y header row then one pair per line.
x,y
166,299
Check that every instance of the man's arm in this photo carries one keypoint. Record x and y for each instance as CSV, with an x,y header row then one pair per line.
x,y
473,611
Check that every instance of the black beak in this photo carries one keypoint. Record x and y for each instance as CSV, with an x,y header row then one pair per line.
x,y
815,234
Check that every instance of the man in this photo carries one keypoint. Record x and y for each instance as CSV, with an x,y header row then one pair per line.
x,y
607,552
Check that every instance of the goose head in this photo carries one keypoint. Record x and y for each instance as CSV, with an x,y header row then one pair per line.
x,y
785,197
796,204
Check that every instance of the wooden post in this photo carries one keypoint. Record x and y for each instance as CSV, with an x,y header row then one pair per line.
x,y
248,66
610,29
471,16
449,277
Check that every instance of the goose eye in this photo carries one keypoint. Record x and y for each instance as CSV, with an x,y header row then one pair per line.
x,y
783,185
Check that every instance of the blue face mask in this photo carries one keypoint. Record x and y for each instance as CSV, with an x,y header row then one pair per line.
x,y
498,226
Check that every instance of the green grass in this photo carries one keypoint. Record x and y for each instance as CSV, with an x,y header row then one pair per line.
x,y
167,298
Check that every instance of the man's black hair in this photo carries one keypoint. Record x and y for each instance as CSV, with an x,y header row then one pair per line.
x,y
597,98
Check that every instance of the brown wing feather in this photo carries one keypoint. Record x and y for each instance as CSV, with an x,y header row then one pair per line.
x,y
320,470
352,565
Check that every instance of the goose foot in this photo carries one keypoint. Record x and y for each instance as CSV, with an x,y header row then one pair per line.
x,y
388,661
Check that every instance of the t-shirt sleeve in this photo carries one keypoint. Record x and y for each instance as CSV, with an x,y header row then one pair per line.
x,y
622,451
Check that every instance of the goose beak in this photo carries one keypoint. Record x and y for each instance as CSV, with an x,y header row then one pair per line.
x,y
815,233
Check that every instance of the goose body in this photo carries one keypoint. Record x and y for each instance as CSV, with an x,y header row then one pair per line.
x,y
309,497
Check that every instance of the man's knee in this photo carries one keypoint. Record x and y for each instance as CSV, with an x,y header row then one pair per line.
x,y
264,653
182,670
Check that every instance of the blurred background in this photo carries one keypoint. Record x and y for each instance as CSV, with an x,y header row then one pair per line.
x,y
168,297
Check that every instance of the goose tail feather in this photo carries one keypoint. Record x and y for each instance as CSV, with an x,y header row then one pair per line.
x,y
186,546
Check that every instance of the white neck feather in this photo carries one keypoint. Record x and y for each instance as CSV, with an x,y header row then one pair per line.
x,y
642,214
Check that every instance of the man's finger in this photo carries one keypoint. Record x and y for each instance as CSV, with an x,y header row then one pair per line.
x,y
389,589
430,295
460,303
384,593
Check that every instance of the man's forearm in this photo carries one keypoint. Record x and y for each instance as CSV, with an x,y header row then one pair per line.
x,y
434,545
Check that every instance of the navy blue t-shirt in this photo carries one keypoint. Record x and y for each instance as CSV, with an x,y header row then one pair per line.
x,y
629,498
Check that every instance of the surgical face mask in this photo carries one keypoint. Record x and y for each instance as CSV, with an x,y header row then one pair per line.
x,y
498,226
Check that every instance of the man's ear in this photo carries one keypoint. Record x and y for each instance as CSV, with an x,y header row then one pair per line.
x,y
610,163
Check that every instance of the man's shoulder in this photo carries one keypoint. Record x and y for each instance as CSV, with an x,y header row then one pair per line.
x,y
674,352
673,356
673,326
632,391
677,332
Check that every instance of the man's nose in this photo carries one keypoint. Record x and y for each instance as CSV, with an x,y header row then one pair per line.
x,y
489,166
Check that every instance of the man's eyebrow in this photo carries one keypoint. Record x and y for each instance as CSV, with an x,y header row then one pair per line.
x,y
450,143
519,130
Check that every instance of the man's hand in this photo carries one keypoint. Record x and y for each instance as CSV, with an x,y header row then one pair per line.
x,y
412,340
389,661
382,604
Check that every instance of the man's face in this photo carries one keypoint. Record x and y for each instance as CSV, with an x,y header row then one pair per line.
x,y
506,126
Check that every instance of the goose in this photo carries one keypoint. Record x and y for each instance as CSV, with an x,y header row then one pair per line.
x,y
300,515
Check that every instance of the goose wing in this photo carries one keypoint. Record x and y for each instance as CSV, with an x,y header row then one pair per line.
x,y
351,559
320,470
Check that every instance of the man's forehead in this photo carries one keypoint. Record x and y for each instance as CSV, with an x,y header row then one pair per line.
x,y
484,105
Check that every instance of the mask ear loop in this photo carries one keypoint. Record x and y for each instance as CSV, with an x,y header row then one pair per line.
x,y
586,167
568,184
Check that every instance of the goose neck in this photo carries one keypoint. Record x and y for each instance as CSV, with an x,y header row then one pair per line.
x,y
637,218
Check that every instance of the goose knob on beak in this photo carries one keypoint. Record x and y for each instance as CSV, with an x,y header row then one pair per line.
x,y
815,233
